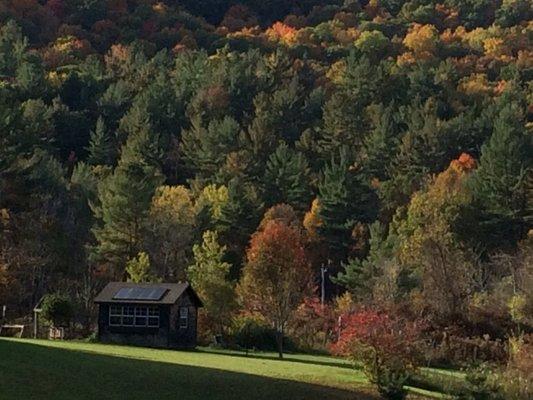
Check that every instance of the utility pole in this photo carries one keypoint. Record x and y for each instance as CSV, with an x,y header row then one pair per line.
x,y
323,271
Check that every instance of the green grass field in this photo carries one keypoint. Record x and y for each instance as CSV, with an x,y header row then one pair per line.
x,y
38,369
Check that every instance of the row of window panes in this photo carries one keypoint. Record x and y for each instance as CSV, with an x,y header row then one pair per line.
x,y
184,317
134,316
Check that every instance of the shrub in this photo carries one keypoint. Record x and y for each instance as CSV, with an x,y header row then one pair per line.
x,y
517,379
452,347
481,385
252,332
389,348
57,309
313,325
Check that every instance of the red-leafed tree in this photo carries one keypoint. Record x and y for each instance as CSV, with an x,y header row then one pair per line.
x,y
388,347
277,275
314,323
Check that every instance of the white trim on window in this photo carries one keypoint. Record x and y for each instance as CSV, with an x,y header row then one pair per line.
x,y
137,316
184,317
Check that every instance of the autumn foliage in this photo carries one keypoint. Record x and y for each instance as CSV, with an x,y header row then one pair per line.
x,y
388,346
277,275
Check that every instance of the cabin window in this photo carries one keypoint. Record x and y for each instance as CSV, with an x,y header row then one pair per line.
x,y
139,316
184,317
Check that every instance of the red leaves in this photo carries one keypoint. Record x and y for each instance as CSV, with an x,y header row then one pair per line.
x,y
388,336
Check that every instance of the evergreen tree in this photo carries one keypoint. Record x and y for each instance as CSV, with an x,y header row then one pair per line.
x,y
359,275
209,276
138,269
381,145
501,181
344,200
142,144
124,200
287,178
239,217
101,147
13,48
204,150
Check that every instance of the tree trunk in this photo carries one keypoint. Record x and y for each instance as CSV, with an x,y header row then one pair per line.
x,y
279,340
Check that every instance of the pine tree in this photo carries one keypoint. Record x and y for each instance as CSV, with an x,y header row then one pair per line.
x,y
287,178
204,150
342,125
381,145
210,277
142,143
344,200
100,145
138,269
124,200
239,216
501,181
359,275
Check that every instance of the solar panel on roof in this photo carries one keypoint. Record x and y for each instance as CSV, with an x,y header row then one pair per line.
x,y
136,293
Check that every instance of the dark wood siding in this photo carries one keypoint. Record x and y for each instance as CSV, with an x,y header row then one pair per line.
x,y
169,333
181,337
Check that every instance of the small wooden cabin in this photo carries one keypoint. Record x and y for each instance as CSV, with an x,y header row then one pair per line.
x,y
148,314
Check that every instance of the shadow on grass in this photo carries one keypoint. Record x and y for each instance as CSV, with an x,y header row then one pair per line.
x,y
286,357
31,371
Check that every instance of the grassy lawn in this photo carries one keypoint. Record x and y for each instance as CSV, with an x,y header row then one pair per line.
x,y
41,369
38,369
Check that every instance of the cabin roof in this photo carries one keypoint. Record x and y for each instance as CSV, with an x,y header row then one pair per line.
x,y
171,292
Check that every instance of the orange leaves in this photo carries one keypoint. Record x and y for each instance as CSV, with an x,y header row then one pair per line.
x,y
278,241
282,33
465,162
277,275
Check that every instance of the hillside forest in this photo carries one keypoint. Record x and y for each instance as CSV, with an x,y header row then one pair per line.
x,y
253,147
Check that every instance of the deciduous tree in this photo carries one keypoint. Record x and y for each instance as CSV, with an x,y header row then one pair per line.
x,y
276,276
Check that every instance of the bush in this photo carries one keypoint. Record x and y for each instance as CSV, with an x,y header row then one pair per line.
x,y
313,325
481,385
57,309
251,332
517,379
389,348
455,349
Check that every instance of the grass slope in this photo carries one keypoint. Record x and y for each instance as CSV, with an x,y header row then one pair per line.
x,y
36,369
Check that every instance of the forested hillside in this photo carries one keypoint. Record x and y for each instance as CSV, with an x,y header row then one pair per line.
x,y
149,140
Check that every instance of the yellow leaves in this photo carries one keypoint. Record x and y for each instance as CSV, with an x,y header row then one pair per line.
x,y
475,84
312,221
55,78
159,8
336,72
344,303
173,203
215,197
68,44
496,48
431,212
517,307
421,39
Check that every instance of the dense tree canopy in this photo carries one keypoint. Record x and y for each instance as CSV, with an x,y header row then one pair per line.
x,y
146,139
